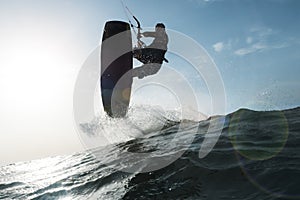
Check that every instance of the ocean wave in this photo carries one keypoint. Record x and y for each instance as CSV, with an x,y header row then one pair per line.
x,y
255,157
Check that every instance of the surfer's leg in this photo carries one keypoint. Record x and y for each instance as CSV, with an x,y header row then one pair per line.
x,y
146,70
151,60
138,72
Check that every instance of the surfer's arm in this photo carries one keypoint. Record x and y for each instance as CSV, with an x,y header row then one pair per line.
x,y
149,34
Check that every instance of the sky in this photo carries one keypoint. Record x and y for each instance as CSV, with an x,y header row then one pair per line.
x,y
253,43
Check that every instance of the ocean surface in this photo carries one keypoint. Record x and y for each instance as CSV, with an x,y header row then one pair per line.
x,y
256,156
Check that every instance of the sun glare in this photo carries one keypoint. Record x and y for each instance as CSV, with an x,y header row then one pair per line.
x,y
32,69
36,83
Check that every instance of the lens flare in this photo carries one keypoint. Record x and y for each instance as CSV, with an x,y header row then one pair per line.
x,y
258,137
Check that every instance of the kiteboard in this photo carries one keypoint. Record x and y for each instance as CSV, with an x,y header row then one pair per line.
x,y
116,68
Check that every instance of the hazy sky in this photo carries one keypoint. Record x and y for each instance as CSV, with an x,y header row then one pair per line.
x,y
254,43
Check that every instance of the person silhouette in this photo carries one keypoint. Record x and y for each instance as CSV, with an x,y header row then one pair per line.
x,y
153,55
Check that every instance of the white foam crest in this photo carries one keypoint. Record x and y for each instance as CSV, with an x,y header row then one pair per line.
x,y
141,121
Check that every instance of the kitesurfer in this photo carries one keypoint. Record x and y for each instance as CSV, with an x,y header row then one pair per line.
x,y
153,55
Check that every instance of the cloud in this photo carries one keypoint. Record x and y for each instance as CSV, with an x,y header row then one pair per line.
x,y
261,31
243,51
203,2
225,45
218,47
259,47
253,48
260,39
249,40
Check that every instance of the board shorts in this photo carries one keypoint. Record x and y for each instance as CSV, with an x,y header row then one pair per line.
x,y
149,55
